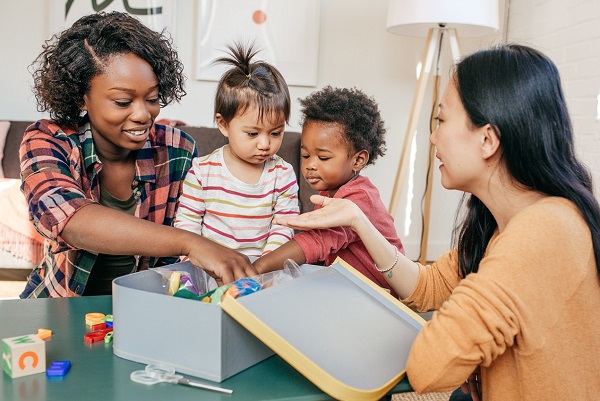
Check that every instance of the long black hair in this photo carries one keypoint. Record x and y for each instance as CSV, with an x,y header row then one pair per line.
x,y
248,83
517,90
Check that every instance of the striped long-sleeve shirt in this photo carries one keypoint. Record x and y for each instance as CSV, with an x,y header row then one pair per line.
x,y
233,213
60,172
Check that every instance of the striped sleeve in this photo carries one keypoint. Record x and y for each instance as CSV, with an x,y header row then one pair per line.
x,y
191,208
286,204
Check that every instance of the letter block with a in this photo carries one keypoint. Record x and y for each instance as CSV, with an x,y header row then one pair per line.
x,y
23,355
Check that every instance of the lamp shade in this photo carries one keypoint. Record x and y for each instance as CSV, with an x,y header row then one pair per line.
x,y
468,17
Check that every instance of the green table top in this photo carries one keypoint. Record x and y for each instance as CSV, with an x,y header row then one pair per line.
x,y
97,374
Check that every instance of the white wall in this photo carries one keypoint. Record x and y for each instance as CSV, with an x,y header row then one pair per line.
x,y
356,50
569,33
23,29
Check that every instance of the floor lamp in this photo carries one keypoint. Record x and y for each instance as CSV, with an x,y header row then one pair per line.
x,y
435,19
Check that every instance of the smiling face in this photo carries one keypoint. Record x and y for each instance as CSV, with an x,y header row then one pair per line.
x,y
122,104
252,140
327,163
460,147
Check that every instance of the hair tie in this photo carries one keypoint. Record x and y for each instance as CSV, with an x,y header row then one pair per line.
x,y
248,76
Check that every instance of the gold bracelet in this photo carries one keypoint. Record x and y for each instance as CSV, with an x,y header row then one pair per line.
x,y
389,269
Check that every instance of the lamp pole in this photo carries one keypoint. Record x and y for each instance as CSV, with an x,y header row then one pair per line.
x,y
432,50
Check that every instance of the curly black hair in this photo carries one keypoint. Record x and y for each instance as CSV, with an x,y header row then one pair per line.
x,y
69,60
249,83
357,113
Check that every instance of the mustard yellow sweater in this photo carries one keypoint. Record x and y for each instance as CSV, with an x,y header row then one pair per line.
x,y
530,317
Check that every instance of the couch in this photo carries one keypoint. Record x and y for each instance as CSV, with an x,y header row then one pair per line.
x,y
24,252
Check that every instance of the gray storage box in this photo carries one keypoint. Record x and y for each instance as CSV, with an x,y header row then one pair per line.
x,y
320,323
196,338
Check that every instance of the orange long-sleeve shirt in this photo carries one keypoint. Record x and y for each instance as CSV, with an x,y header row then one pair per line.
x,y
530,317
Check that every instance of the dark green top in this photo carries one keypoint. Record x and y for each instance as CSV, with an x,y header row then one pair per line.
x,y
108,267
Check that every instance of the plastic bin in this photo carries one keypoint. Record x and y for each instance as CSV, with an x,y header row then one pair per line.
x,y
196,338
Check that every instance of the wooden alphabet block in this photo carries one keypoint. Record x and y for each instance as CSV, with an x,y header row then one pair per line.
x,y
23,355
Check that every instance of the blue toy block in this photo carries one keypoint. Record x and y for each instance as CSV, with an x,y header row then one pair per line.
x,y
58,368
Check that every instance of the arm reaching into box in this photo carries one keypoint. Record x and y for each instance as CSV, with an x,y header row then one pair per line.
x,y
117,233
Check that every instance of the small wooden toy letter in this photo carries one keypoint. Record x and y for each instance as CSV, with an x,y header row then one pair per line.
x,y
23,355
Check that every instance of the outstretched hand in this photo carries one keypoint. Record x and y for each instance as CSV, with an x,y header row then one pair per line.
x,y
333,213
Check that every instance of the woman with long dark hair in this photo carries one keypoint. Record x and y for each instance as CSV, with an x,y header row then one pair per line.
x,y
517,297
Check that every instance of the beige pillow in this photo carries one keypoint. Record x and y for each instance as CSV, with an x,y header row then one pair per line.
x,y
17,234
4,127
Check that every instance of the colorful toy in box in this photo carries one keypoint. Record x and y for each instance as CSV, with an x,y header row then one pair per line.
x,y
239,288
242,287
180,285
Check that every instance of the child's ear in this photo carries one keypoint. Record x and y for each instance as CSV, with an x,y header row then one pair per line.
x,y
361,158
222,125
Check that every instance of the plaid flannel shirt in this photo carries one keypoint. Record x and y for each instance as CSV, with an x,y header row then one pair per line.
x,y
60,175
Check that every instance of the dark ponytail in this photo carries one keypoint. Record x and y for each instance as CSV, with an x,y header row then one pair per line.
x,y
248,84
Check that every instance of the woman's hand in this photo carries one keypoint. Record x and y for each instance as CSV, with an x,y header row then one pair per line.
x,y
223,264
333,213
337,212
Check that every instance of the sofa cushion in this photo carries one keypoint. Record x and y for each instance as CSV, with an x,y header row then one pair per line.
x,y
10,162
17,234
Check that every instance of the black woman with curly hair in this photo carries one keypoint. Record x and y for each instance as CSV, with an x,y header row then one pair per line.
x,y
101,179
342,133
